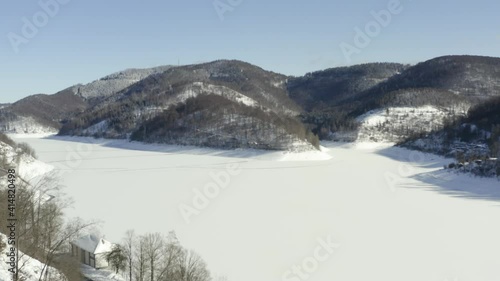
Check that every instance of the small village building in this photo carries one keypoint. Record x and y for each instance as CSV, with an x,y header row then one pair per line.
x,y
91,250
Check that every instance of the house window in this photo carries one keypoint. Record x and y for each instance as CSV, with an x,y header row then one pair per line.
x,y
82,256
92,260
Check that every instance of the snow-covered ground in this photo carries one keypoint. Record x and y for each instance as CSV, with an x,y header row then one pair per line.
x,y
389,214
100,275
30,268
198,88
30,168
395,123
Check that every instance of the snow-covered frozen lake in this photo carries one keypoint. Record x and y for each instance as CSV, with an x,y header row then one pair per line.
x,y
390,214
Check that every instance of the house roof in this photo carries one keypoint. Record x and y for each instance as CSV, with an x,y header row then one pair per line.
x,y
93,244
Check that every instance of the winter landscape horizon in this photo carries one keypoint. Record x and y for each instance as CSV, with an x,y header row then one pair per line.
x,y
233,140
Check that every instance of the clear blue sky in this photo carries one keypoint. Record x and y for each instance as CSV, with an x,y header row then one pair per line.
x,y
87,39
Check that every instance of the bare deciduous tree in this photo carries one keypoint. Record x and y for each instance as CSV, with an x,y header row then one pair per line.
x,y
128,246
42,230
192,267
154,243
172,252
140,265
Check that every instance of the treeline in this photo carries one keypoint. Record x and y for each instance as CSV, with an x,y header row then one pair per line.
x,y
338,86
485,115
325,124
5,139
214,121
425,96
155,257
21,148
482,124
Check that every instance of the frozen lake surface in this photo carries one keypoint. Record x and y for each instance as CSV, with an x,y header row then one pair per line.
x,y
389,214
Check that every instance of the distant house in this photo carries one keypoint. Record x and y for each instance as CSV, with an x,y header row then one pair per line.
x,y
91,250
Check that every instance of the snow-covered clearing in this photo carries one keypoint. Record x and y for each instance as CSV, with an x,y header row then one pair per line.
x,y
394,215
395,123
198,88
30,268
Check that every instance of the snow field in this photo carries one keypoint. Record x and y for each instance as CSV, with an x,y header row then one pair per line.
x,y
269,218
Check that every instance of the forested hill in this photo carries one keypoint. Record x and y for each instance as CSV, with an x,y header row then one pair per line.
x,y
226,103
474,77
335,86
444,87
44,113
474,140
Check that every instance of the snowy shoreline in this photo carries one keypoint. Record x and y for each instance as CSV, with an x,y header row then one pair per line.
x,y
312,155
382,205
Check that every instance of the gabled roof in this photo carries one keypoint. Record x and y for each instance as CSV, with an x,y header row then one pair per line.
x,y
93,244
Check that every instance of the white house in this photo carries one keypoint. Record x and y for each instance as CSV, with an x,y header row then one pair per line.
x,y
91,250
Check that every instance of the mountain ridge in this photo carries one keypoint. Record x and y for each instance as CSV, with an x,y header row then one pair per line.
x,y
259,96
329,102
